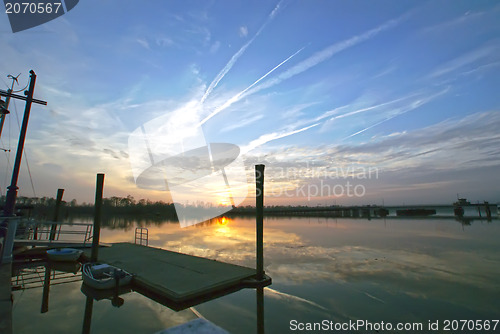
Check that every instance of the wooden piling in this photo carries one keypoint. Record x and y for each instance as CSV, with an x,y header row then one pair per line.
x,y
259,185
53,229
97,217
487,209
260,310
87,317
46,290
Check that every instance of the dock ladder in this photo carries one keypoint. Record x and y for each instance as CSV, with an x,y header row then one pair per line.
x,y
141,235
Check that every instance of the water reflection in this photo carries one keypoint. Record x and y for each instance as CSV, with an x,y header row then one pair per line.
x,y
93,294
69,300
46,289
87,317
260,310
338,269
100,295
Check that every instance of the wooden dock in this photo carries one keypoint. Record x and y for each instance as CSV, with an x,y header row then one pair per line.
x,y
5,299
174,279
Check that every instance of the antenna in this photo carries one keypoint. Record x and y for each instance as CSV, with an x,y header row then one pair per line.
x,y
14,78
7,100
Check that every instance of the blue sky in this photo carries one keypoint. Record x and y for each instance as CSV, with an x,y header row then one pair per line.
x,y
406,87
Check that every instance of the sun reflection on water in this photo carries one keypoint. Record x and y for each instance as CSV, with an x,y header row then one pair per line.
x,y
223,226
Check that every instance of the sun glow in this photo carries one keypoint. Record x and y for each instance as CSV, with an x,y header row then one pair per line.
x,y
223,225
223,198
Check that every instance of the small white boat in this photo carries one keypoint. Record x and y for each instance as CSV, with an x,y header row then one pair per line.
x,y
64,254
103,276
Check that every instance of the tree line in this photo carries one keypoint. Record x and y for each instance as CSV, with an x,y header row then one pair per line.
x,y
44,207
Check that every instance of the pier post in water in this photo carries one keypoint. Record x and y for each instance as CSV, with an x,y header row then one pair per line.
x,y
259,193
487,209
53,229
97,217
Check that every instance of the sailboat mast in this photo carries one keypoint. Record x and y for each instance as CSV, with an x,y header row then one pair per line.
x,y
7,100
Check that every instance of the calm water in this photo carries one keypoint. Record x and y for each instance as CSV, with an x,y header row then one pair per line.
x,y
393,270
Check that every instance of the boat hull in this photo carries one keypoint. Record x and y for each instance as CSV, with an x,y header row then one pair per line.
x,y
64,254
103,276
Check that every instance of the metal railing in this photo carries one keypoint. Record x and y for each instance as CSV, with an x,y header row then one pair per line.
x,y
35,276
141,235
47,230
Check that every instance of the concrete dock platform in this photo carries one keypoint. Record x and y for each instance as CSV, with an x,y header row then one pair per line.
x,y
174,279
5,299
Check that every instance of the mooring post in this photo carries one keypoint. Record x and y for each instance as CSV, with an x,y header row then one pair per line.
x,y
46,290
487,209
260,310
97,217
53,229
87,317
259,192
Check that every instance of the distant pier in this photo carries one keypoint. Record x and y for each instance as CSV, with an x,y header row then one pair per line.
x,y
480,210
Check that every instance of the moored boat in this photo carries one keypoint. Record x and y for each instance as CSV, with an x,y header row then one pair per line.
x,y
64,254
104,276
461,202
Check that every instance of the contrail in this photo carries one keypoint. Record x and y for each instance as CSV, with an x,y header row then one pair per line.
x,y
327,53
238,54
413,106
297,69
237,97
371,126
272,136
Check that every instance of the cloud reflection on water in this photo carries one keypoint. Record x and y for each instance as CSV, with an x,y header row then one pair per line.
x,y
371,262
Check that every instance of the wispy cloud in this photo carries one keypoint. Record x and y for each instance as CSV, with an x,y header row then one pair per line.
x,y
412,102
163,41
237,55
243,123
143,43
297,110
327,53
266,138
454,22
243,31
215,47
400,111
466,59
238,96
434,161
335,113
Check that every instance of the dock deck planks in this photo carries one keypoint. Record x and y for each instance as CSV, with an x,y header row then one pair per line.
x,y
179,278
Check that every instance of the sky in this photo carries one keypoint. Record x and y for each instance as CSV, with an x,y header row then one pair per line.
x,y
345,102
